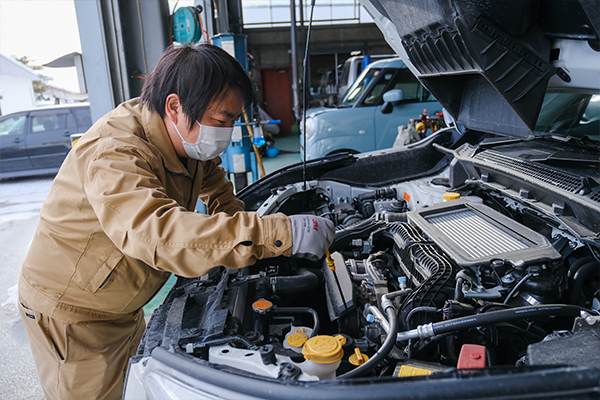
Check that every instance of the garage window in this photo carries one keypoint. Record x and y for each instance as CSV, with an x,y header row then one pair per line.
x,y
276,13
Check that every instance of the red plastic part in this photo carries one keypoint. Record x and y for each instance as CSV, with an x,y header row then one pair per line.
x,y
472,356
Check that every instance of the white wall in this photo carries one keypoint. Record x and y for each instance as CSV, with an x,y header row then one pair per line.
x,y
17,94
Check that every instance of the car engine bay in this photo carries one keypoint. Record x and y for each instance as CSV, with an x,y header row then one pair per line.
x,y
484,264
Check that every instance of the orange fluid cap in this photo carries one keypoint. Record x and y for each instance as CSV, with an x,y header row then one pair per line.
x,y
262,306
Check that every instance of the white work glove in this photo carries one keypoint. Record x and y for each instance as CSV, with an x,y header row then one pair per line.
x,y
311,236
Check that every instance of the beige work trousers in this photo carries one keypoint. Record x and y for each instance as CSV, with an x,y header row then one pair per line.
x,y
86,360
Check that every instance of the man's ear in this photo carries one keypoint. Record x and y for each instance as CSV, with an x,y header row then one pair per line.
x,y
172,107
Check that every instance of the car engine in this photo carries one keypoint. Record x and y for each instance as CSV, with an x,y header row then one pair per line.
x,y
421,280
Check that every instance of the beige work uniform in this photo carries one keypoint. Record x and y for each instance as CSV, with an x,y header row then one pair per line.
x,y
117,221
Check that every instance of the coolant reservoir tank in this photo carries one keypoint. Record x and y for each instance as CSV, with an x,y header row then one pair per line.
x,y
296,338
323,354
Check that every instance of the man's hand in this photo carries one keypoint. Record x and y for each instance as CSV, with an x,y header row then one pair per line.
x,y
311,236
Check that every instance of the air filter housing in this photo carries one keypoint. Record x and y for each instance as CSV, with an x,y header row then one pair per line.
x,y
473,234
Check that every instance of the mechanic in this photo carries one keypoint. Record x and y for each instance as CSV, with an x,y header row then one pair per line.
x,y
119,219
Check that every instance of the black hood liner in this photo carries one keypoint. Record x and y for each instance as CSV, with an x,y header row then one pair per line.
x,y
489,62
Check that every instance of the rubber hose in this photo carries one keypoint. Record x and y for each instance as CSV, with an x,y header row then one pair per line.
x,y
418,310
516,288
458,294
580,277
361,229
383,351
303,281
577,264
493,317
237,340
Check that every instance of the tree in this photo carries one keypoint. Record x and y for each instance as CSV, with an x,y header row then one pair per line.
x,y
40,86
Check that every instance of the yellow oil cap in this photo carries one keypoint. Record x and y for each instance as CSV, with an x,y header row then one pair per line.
x,y
358,358
323,349
451,196
297,339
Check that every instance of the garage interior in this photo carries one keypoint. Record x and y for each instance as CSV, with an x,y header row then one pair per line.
x,y
133,35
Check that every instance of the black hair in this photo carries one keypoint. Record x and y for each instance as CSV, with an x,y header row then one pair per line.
x,y
198,74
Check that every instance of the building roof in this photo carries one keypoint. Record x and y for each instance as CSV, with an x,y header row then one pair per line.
x,y
14,69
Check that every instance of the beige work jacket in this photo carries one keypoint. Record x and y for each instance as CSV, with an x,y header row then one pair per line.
x,y
120,218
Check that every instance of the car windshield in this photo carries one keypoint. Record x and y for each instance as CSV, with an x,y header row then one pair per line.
x,y
570,114
358,87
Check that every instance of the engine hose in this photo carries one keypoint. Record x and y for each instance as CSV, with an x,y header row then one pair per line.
x,y
378,315
516,288
304,310
237,340
303,281
362,230
492,317
372,269
580,277
418,310
578,264
383,351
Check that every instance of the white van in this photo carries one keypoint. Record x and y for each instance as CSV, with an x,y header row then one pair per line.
x,y
351,69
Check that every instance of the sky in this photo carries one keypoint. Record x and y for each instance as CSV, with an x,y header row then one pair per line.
x,y
44,30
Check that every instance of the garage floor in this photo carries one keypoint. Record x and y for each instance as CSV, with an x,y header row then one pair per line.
x,y
289,153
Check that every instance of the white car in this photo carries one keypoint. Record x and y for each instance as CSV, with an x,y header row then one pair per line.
x,y
465,266
385,96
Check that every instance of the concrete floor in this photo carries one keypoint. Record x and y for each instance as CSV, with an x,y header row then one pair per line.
x,y
18,377
20,202
289,153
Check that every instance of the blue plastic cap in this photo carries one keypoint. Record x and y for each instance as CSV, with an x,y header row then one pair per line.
x,y
401,279
370,318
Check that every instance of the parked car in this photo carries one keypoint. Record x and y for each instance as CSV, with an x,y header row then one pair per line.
x,y
352,68
385,96
465,266
327,83
36,142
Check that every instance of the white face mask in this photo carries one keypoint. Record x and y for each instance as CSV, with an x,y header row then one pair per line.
x,y
212,142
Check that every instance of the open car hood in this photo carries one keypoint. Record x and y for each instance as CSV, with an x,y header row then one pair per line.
x,y
490,63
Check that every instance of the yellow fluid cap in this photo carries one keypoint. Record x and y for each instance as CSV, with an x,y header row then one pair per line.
x,y
341,338
323,349
262,306
297,339
358,357
451,196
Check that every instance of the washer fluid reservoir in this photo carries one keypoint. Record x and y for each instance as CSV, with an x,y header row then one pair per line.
x,y
323,354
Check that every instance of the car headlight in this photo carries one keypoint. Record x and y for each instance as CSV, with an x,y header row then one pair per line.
x,y
311,126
